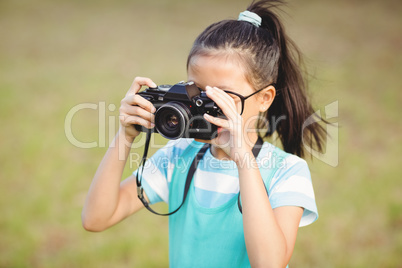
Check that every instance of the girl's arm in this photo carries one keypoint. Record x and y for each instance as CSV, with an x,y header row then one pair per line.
x,y
270,234
109,201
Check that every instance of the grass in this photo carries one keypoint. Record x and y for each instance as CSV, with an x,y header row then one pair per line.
x,y
55,55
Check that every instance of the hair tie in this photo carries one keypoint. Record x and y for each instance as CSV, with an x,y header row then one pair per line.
x,y
250,17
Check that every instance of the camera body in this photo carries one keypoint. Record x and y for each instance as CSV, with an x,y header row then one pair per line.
x,y
179,111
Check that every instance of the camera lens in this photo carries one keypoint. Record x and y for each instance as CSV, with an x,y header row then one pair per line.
x,y
172,120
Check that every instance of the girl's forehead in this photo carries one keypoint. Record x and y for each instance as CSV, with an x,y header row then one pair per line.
x,y
221,58
220,71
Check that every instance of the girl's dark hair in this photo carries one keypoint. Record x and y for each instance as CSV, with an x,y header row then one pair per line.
x,y
269,56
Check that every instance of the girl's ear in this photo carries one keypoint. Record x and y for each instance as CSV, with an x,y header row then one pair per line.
x,y
267,96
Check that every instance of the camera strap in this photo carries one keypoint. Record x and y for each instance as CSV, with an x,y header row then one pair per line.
x,y
193,167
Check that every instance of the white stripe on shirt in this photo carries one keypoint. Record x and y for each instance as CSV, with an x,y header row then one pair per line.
x,y
216,182
296,184
157,181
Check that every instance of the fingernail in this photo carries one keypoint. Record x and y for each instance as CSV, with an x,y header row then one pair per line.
x,y
153,84
208,88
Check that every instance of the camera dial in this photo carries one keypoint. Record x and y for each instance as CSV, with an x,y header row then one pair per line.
x,y
199,102
164,88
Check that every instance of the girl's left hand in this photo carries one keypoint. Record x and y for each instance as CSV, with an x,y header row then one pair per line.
x,y
231,138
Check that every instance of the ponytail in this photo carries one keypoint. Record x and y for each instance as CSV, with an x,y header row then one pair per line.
x,y
269,56
292,101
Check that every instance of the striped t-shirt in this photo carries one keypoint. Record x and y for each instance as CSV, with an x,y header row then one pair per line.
x,y
217,181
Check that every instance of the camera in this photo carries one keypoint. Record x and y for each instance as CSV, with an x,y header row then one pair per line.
x,y
179,111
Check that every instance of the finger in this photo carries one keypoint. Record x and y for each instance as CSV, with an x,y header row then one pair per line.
x,y
225,96
227,105
139,82
138,100
143,103
135,120
138,111
217,121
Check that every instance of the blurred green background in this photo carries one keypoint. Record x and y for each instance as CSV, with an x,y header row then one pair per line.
x,y
55,55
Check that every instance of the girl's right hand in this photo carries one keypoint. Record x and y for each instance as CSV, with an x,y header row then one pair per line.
x,y
135,110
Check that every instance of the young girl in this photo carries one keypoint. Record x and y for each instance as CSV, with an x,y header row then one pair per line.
x,y
253,57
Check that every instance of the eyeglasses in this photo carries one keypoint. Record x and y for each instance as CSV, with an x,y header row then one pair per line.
x,y
240,99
